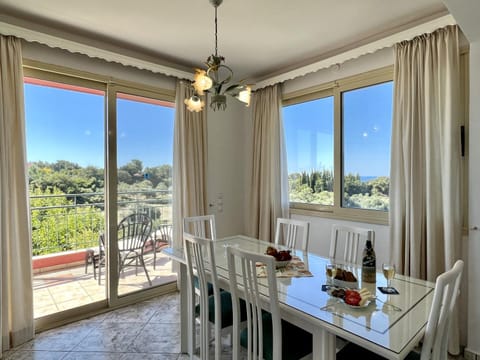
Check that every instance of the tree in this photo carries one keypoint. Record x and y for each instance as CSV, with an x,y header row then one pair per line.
x,y
57,226
353,185
134,168
67,212
380,185
316,187
160,176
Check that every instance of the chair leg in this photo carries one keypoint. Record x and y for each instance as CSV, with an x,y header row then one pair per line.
x,y
89,254
154,253
95,266
145,269
191,321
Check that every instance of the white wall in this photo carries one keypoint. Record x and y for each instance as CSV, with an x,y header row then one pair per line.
x,y
226,167
473,343
466,13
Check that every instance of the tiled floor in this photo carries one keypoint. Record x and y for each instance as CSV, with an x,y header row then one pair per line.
x,y
144,331
63,289
148,330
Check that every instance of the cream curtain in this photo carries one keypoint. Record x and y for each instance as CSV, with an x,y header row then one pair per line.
x,y
269,183
189,162
16,296
425,208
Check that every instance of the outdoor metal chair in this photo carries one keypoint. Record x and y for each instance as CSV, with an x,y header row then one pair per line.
x,y
161,237
96,257
132,233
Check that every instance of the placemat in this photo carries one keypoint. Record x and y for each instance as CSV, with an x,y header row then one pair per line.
x,y
295,268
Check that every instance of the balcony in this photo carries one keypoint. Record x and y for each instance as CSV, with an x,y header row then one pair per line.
x,y
64,227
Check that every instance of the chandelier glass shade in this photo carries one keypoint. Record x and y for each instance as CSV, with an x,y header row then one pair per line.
x,y
216,81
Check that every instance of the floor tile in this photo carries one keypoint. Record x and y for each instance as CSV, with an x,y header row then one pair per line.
x,y
149,330
158,338
64,338
110,337
36,355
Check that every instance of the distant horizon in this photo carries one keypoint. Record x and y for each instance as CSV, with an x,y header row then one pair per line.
x,y
363,178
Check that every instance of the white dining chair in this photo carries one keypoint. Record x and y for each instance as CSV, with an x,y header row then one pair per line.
x,y
201,226
265,331
216,308
435,340
348,238
291,230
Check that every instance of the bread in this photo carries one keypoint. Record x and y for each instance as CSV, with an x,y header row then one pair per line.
x,y
345,275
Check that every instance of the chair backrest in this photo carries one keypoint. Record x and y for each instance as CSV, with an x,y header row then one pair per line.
x,y
200,226
435,342
165,233
350,237
242,265
200,257
133,231
288,229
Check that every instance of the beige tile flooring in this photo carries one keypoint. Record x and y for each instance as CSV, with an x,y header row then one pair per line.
x,y
148,330
71,287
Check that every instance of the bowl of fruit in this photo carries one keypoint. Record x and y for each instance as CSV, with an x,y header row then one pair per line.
x,y
282,257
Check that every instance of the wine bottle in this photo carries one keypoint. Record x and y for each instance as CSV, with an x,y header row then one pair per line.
x,y
369,263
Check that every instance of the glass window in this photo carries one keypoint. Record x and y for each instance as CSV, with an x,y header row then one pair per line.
x,y
338,147
309,140
367,127
65,152
75,192
145,161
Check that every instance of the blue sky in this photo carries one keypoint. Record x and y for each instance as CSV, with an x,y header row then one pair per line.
x,y
367,121
69,125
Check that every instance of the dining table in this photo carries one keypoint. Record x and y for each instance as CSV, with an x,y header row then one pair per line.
x,y
390,325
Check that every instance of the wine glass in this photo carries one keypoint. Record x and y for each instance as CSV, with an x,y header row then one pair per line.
x,y
331,270
388,272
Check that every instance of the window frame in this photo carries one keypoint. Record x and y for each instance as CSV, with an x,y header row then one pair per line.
x,y
68,76
335,89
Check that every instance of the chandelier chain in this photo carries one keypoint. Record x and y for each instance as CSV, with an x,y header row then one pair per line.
x,y
216,80
216,36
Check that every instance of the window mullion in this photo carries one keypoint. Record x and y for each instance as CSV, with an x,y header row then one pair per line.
x,y
337,146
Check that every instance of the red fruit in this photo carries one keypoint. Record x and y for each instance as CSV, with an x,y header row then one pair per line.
x,y
352,297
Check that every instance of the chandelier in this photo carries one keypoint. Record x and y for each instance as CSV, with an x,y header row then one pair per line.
x,y
215,80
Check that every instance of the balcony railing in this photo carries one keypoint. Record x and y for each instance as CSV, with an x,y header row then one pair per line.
x,y
63,222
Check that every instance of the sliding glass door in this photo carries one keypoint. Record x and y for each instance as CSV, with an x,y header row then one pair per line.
x,y
144,189
97,153
65,152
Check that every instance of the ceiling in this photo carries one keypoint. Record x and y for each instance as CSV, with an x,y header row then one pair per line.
x,y
259,38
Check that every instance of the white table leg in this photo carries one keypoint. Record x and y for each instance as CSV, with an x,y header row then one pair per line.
x,y
324,345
